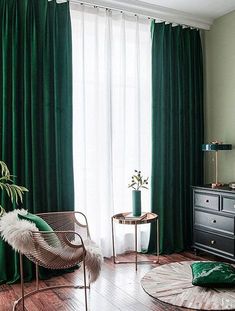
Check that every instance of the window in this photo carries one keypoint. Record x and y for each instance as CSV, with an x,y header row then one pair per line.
x,y
112,120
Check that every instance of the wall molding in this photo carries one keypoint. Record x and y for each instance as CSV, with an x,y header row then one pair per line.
x,y
152,11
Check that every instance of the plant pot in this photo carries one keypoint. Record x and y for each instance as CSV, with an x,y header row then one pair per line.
x,y
136,202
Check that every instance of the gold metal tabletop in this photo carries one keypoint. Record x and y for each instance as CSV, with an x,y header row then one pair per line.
x,y
123,218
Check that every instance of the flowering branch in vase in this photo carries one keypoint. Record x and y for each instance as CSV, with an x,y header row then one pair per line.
x,y
138,181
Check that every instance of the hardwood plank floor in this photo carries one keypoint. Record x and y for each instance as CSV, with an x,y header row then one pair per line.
x,y
118,288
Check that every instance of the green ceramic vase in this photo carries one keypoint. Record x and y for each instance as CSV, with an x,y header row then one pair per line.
x,y
136,202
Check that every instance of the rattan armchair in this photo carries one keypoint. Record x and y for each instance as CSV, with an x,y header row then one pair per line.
x,y
60,249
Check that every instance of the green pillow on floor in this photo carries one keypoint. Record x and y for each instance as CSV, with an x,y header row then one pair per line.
x,y
213,274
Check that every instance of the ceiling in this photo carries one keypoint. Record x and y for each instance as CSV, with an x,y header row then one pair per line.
x,y
200,8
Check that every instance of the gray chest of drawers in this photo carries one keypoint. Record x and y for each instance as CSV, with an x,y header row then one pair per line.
x,y
213,221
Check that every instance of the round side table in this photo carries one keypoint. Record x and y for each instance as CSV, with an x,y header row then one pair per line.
x,y
123,218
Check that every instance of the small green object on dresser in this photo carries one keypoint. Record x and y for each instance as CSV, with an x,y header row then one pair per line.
x,y
213,274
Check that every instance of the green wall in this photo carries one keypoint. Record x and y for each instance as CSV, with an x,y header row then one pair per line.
x,y
219,53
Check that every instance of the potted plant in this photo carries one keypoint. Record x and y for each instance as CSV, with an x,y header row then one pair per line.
x,y
14,191
137,182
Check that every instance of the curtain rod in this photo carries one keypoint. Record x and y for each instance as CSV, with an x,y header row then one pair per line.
x,y
147,16
108,8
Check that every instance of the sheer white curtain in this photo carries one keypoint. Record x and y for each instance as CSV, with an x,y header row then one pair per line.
x,y
112,120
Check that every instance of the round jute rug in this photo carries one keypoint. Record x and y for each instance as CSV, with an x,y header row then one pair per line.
x,y
172,283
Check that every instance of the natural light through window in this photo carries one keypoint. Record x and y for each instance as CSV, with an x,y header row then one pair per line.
x,y
111,117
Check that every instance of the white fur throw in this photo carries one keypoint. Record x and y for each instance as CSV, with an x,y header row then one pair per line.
x,y
18,233
94,259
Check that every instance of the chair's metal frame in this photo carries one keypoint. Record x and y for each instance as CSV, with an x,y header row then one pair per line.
x,y
62,234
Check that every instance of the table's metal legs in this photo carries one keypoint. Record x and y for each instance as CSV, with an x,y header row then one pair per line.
x,y
135,247
157,238
136,253
114,255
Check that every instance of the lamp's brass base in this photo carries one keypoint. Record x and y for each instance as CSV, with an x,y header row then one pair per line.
x,y
216,185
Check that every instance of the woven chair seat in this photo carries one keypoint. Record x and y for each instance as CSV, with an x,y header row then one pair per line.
x,y
64,254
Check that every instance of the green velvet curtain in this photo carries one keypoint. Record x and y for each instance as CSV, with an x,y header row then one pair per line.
x,y
177,131
36,109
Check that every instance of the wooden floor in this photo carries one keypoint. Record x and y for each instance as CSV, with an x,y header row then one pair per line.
x,y
118,288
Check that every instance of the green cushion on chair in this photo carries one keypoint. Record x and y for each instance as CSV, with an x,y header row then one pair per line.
x,y
213,274
40,223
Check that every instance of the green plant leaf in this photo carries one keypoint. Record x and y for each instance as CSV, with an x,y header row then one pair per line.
x,y
14,191
4,169
136,178
2,210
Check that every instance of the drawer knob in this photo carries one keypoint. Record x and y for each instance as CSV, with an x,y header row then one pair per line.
x,y
214,221
207,201
212,242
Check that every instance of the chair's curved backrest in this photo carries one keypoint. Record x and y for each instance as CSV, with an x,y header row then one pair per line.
x,y
68,221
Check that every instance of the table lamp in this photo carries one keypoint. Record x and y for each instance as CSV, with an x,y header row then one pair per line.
x,y
216,146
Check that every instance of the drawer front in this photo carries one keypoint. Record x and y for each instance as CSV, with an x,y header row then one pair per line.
x,y
215,222
206,200
228,204
214,241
